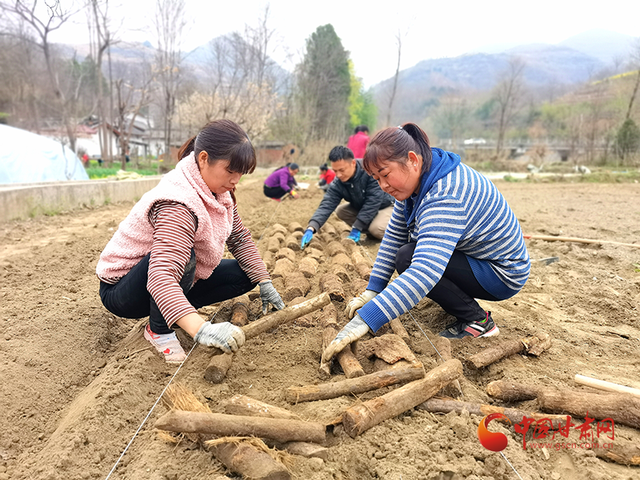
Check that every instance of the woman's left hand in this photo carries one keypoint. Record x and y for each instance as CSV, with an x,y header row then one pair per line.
x,y
352,331
269,295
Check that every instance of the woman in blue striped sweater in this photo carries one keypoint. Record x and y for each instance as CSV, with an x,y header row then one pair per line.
x,y
452,238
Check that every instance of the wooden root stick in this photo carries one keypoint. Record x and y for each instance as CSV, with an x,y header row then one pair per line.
x,y
620,407
218,366
533,345
443,349
243,405
445,405
509,391
240,311
356,385
285,315
249,460
279,429
548,238
622,454
362,417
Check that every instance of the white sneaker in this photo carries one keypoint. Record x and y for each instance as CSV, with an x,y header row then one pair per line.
x,y
166,344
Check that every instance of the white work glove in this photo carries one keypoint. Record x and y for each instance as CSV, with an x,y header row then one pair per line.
x,y
269,295
226,336
351,332
358,302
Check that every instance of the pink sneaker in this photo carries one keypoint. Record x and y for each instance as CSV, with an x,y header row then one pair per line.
x,y
167,344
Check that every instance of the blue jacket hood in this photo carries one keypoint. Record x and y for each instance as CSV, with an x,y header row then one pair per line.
x,y
442,163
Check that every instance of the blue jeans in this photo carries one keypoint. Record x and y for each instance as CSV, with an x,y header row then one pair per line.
x,y
129,298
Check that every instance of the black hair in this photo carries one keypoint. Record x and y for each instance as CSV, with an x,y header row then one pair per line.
x,y
324,167
223,140
340,153
393,144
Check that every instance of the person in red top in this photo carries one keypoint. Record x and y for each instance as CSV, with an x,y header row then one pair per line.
x,y
358,141
326,177
165,261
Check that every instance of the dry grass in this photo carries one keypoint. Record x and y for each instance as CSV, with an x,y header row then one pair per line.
x,y
179,397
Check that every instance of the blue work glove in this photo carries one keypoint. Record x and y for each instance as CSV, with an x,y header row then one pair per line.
x,y
269,295
354,235
306,238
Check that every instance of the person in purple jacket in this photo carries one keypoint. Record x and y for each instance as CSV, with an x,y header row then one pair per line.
x,y
281,182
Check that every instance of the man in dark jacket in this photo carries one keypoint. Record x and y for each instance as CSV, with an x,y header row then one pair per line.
x,y
368,208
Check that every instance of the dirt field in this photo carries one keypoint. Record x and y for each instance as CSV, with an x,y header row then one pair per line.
x,y
77,381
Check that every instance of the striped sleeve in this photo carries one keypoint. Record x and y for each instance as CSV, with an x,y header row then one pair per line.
x,y
244,250
174,228
395,236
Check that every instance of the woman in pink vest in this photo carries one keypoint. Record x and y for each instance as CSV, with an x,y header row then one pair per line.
x,y
165,260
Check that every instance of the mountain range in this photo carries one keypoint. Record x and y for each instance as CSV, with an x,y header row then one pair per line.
x,y
572,61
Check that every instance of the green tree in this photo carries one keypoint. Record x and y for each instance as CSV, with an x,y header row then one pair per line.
x,y
324,85
628,138
362,109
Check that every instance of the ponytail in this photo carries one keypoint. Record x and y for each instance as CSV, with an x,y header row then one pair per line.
x,y
422,141
187,147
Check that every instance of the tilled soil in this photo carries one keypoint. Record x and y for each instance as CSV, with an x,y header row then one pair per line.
x,y
77,381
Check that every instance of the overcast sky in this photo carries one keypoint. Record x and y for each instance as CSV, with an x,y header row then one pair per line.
x,y
368,29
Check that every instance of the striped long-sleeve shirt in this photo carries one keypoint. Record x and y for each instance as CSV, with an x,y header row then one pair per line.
x,y
462,210
174,228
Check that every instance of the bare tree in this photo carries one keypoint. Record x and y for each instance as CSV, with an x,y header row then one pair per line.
x,y
508,97
635,62
41,22
102,38
394,88
21,86
169,23
130,100
241,82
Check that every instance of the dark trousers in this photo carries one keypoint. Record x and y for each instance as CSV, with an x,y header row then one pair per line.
x,y
274,192
129,298
457,289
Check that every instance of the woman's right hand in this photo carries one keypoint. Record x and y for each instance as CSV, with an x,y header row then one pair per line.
x,y
225,336
352,331
358,302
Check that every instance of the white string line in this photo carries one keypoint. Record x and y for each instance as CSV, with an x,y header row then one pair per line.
x,y
509,463
414,320
151,411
